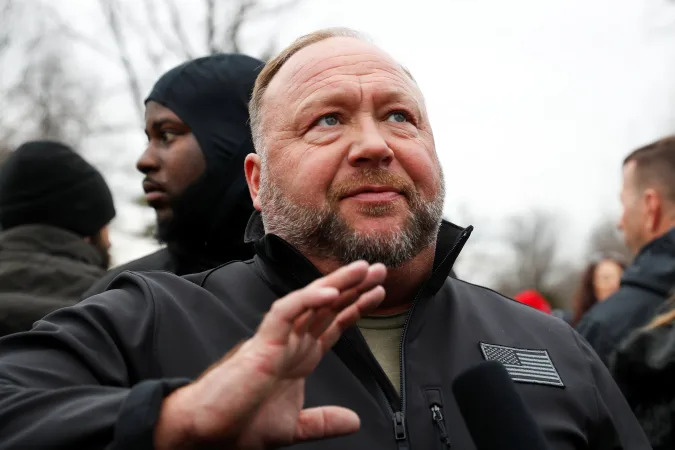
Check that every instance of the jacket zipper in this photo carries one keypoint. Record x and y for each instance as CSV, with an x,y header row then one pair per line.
x,y
399,416
437,417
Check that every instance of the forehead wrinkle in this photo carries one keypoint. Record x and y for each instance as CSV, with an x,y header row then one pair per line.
x,y
299,70
390,77
361,56
337,96
312,95
396,90
304,90
359,67
335,68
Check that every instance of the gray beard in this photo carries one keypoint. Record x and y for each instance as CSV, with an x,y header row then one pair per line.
x,y
323,233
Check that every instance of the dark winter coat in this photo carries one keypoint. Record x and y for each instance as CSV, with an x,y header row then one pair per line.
x,y
42,268
644,369
645,285
94,375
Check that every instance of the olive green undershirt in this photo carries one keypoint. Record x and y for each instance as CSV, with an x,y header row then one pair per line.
x,y
383,335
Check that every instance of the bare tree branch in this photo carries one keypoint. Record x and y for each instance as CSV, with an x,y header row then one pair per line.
x,y
238,19
533,241
111,15
275,10
606,241
68,32
5,17
211,27
50,102
157,29
177,25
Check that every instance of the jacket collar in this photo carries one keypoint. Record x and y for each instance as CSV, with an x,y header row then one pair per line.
x,y
295,270
654,266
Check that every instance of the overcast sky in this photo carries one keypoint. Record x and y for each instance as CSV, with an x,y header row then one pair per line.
x,y
533,103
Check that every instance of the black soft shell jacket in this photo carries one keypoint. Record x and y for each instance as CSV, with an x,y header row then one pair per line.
x,y
644,287
94,375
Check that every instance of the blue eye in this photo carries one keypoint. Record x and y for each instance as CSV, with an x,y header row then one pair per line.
x,y
397,116
329,120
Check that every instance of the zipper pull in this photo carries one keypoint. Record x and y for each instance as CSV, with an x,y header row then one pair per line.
x,y
437,417
399,426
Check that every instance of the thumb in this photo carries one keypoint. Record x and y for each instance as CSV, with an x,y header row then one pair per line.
x,y
325,422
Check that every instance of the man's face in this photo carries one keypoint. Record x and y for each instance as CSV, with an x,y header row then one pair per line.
x,y
350,170
633,217
171,162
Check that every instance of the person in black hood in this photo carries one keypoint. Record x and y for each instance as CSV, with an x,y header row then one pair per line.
x,y
648,223
198,137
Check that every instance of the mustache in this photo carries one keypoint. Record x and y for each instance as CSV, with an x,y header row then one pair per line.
x,y
372,176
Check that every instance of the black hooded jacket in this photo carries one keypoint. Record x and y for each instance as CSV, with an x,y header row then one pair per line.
x,y
644,287
94,375
211,96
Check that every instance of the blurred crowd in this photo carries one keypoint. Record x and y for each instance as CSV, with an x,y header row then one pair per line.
x,y
55,210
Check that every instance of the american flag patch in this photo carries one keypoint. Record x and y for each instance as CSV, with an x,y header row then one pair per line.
x,y
524,366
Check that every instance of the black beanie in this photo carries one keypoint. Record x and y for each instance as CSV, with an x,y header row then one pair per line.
x,y
44,182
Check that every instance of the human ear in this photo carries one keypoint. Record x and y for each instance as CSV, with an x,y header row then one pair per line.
x,y
252,171
654,211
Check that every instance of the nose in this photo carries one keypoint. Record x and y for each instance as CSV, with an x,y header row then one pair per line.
x,y
369,148
149,161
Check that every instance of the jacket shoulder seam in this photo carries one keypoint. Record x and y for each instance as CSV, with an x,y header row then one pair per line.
x,y
208,273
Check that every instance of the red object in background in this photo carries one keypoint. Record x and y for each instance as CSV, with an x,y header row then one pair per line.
x,y
534,299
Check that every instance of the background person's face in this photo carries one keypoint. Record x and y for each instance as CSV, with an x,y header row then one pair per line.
x,y
347,134
172,160
632,221
606,279
101,241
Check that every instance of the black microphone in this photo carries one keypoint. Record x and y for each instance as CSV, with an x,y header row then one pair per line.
x,y
493,410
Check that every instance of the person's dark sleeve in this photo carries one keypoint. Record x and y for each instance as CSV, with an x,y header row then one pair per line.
x,y
74,380
615,426
597,336
102,283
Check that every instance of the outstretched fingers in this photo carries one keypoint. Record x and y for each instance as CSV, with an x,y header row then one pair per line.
x,y
324,422
366,303
325,316
329,295
345,277
374,277
281,319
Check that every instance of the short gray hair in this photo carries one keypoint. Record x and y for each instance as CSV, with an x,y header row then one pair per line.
x,y
272,68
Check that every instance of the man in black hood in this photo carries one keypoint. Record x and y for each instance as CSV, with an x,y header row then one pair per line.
x,y
198,137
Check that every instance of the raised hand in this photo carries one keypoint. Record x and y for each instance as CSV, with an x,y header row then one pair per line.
x,y
253,398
